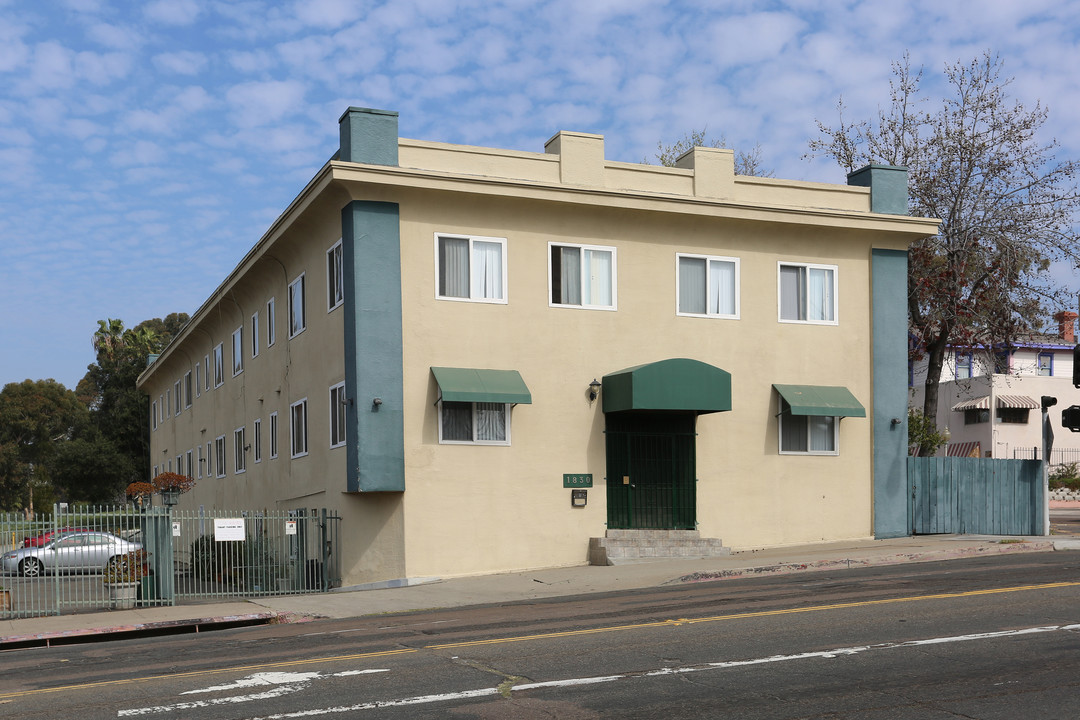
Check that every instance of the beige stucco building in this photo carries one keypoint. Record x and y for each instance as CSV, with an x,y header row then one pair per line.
x,y
414,341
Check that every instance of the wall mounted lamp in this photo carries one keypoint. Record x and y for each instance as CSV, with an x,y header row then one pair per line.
x,y
594,389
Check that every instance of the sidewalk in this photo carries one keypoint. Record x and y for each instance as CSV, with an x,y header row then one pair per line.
x,y
432,593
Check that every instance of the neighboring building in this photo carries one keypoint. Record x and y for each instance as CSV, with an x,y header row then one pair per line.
x,y
990,401
414,343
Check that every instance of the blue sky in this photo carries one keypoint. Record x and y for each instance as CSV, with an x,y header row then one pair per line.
x,y
146,146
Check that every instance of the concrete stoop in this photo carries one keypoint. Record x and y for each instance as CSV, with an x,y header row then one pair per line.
x,y
618,547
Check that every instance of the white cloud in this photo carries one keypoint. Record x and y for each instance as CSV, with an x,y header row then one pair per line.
x,y
184,62
259,103
327,13
172,12
50,67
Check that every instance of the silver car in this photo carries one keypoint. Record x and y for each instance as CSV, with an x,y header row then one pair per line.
x,y
78,551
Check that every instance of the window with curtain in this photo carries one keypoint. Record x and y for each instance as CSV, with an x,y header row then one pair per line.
x,y
471,268
807,434
297,316
583,276
807,293
964,365
477,423
708,286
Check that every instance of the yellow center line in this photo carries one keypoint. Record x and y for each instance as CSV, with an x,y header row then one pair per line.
x,y
541,636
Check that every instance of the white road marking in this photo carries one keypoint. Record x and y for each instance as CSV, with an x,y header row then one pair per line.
x,y
569,682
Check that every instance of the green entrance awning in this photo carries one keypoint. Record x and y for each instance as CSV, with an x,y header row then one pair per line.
x,y
836,401
475,385
675,384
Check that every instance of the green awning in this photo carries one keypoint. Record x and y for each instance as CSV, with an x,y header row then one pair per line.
x,y
836,401
674,384
474,385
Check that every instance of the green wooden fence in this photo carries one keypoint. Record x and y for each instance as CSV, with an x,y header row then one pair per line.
x,y
975,496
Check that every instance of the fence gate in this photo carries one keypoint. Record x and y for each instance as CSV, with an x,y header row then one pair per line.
x,y
975,496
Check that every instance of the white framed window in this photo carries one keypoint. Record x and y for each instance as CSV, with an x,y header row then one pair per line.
x,y
270,323
806,293
219,365
298,430
470,268
206,373
179,465
807,434
190,462
583,276
219,455
209,460
255,335
187,389
707,286
154,416
163,409
474,423
168,404
154,472
1046,364
239,456
238,351
198,379
335,277
273,436
201,461
297,316
176,398
169,467
964,363
256,439
338,406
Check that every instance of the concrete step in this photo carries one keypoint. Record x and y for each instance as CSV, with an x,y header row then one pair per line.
x,y
626,546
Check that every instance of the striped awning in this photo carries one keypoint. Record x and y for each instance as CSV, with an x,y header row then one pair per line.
x,y
979,403
964,450
1020,402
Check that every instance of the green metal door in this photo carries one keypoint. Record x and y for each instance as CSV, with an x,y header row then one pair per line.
x,y
651,471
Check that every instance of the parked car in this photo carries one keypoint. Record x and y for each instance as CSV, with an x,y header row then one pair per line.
x,y
39,540
76,551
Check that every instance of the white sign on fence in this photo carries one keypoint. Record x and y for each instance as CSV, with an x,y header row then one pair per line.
x,y
290,527
226,529
176,529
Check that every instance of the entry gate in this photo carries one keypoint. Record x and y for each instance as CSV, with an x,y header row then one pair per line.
x,y
190,554
975,496
651,471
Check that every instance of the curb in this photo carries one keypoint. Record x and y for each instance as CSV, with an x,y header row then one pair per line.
x,y
164,627
848,563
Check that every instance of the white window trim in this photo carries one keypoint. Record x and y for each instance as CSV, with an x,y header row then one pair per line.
x,y
154,417
339,391
271,336
238,351
187,390
614,276
190,459
219,365
505,442
198,380
255,334
239,456
300,279
206,372
209,459
161,408
220,459
780,437
473,239
336,250
273,435
708,268
256,440
835,292
292,430
179,464
199,460
178,402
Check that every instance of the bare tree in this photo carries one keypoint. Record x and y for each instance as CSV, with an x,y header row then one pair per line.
x,y
746,163
1007,206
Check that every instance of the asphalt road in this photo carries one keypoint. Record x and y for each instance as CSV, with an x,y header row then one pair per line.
x,y
988,638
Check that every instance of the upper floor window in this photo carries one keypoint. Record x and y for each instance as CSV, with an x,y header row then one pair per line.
x,y
807,293
583,276
297,317
708,286
154,416
273,435
219,455
176,398
187,389
471,268
239,447
1046,364
238,351
338,406
298,428
206,372
256,439
964,365
335,278
198,379
219,365
270,323
255,335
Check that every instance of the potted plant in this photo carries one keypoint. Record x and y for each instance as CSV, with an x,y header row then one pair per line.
x,y
171,485
140,492
122,578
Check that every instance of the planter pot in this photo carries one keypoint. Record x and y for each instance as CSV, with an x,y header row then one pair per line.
x,y
122,595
